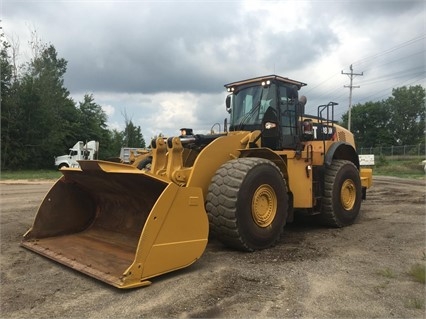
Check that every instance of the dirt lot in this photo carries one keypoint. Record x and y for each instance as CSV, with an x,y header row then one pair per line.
x,y
361,271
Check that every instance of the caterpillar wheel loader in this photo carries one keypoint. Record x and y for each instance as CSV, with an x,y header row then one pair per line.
x,y
127,223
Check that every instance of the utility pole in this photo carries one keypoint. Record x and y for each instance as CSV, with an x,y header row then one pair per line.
x,y
351,77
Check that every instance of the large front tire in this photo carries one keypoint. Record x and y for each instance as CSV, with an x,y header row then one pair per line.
x,y
247,204
342,196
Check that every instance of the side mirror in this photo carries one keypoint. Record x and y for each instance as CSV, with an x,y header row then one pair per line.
x,y
228,103
301,105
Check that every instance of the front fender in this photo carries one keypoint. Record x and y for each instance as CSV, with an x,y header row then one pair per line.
x,y
267,153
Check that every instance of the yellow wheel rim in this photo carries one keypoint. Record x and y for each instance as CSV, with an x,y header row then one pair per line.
x,y
348,194
264,206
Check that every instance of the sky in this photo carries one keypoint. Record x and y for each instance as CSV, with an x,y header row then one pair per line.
x,y
163,64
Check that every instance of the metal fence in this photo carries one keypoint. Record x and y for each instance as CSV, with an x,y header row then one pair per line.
x,y
398,151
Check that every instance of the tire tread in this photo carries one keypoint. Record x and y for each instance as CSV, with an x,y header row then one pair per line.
x,y
222,197
328,216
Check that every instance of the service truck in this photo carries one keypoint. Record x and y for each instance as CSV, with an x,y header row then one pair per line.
x,y
79,151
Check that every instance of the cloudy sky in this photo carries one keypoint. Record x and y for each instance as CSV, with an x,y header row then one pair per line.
x,y
164,63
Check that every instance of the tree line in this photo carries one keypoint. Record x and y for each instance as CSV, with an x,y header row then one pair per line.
x,y
397,120
40,120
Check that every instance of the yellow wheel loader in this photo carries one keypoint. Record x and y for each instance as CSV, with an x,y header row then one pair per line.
x,y
125,224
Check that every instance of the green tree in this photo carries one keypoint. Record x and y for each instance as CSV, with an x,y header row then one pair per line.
x,y
12,150
6,67
50,113
132,136
398,120
37,112
93,126
407,108
39,119
370,124
116,143
92,119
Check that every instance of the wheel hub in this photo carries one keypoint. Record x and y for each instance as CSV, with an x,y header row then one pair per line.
x,y
348,194
264,206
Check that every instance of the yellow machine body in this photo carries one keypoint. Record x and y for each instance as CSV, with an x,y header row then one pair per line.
x,y
124,225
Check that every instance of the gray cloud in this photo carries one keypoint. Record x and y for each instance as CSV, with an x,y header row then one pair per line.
x,y
130,53
154,47
147,51
364,11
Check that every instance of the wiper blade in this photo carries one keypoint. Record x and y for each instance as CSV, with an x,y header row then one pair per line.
x,y
249,115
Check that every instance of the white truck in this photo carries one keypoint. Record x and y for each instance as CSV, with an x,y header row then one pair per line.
x,y
129,154
79,151
125,154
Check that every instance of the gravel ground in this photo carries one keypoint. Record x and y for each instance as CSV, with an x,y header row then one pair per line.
x,y
361,271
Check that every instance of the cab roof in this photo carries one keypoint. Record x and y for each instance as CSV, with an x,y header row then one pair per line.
x,y
271,77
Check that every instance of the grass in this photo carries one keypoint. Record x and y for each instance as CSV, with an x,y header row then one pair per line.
x,y
418,272
407,168
387,273
415,303
30,174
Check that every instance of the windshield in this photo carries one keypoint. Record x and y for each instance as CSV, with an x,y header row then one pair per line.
x,y
249,105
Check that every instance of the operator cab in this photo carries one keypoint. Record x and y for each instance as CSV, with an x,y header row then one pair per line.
x,y
269,104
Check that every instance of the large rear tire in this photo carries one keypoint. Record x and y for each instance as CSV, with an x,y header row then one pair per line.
x,y
247,204
342,198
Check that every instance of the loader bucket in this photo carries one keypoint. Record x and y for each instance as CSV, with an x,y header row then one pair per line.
x,y
119,224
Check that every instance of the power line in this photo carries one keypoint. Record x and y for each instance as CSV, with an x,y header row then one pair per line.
x,y
412,73
390,50
399,59
393,76
366,62
379,95
351,86
321,83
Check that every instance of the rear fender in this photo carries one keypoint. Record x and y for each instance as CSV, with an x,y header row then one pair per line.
x,y
341,150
